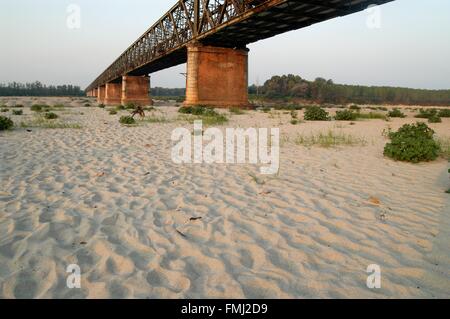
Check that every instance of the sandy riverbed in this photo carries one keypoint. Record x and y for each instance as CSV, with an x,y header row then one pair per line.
x,y
108,198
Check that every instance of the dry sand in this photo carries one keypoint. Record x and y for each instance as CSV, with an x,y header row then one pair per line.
x,y
109,198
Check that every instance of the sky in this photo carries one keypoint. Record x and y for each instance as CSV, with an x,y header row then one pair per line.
x,y
409,48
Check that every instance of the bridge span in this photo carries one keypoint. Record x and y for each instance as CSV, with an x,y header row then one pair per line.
x,y
212,37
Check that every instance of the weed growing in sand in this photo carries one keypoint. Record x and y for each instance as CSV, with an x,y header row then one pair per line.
x,y
426,113
413,143
58,106
155,119
120,108
396,113
102,106
112,112
371,116
316,113
127,120
345,115
17,112
208,115
434,119
4,110
17,106
236,111
6,123
444,113
41,122
50,116
330,139
354,107
38,107
294,117
444,144
87,105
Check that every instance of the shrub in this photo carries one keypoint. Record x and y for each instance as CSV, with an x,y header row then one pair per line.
x,y
412,143
5,123
316,113
354,107
112,112
426,114
345,115
396,113
198,110
102,106
382,108
17,112
37,108
58,106
130,106
50,116
329,139
127,120
444,113
120,108
236,110
434,119
87,105
294,121
371,116
18,106
4,110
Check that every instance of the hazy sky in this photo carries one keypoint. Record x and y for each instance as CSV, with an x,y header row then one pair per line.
x,y
411,49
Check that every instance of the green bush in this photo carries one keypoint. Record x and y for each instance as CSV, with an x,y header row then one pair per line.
x,y
371,116
198,110
87,105
18,106
5,123
112,112
354,107
4,110
434,119
412,143
345,115
444,113
37,107
130,106
50,116
102,106
236,111
127,120
120,108
396,113
426,114
316,113
17,112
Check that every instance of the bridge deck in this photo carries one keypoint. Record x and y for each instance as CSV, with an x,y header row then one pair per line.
x,y
225,23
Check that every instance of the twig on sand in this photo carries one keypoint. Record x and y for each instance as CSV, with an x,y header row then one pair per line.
x,y
182,235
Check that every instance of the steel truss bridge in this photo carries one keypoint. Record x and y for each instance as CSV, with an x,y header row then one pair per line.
x,y
222,23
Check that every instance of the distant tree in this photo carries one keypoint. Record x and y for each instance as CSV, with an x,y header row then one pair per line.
x,y
39,89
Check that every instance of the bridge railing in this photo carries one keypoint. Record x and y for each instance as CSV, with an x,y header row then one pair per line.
x,y
184,22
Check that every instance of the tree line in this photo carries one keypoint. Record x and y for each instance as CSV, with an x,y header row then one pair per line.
x,y
326,91
39,89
